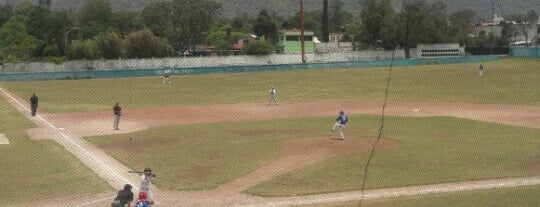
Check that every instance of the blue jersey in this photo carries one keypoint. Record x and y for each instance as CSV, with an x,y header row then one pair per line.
x,y
342,119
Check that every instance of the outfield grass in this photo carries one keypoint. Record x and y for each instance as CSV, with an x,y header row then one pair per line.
x,y
505,197
430,150
507,81
35,170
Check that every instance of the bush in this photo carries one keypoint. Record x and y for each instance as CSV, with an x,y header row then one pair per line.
x,y
86,49
259,47
144,44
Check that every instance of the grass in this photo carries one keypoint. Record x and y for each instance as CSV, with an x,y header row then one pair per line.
x,y
203,156
36,170
507,81
505,197
431,150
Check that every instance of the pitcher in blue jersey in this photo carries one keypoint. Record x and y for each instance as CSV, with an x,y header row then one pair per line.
x,y
340,124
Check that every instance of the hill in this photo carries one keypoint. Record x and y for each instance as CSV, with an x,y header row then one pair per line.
x,y
483,8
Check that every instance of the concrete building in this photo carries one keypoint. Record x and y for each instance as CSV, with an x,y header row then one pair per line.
x,y
438,50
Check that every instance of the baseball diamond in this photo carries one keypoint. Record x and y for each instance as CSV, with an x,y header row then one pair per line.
x,y
227,147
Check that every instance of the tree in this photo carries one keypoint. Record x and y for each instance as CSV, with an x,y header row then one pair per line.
x,y
144,44
109,45
312,21
338,16
185,23
83,49
127,21
422,23
45,3
264,26
374,13
461,25
224,36
5,13
15,43
158,16
192,20
95,17
324,22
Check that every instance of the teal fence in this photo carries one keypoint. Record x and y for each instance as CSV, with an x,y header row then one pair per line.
x,y
532,51
237,69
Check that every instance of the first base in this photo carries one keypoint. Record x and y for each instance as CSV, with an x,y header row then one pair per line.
x,y
3,139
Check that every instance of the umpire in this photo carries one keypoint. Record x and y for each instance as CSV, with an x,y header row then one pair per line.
x,y
33,104
124,197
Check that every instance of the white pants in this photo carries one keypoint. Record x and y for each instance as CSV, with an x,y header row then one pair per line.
x,y
272,99
341,127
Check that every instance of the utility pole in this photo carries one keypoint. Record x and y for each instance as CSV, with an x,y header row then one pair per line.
x,y
302,31
492,23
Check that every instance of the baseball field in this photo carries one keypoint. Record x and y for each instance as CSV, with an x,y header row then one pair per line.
x,y
214,136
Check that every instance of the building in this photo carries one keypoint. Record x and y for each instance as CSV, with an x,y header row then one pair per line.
x,y
335,44
288,41
439,50
495,28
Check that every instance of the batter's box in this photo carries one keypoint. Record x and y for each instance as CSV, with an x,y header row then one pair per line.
x,y
3,139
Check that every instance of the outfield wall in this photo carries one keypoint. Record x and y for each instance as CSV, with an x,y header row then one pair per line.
x,y
159,71
532,51
196,62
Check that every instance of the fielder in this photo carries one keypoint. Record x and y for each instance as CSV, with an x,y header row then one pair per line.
x,y
340,124
272,96
166,79
481,70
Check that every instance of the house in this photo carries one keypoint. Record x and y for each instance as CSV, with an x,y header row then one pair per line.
x,y
244,41
288,41
495,28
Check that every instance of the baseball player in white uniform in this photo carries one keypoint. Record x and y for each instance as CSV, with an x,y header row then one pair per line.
x,y
272,96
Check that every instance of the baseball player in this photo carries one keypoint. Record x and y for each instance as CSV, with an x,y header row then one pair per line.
x,y
481,70
166,79
340,124
146,181
124,197
272,96
33,104
117,111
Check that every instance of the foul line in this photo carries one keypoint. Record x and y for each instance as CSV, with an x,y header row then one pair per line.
x,y
69,139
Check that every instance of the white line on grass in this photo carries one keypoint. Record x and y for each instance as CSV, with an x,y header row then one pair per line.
x,y
69,140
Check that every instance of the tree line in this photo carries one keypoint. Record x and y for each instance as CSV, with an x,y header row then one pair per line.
x,y
34,32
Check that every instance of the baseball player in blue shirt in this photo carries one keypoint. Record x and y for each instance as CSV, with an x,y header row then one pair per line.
x,y
340,124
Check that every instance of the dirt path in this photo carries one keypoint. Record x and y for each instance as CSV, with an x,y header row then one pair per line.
x,y
68,130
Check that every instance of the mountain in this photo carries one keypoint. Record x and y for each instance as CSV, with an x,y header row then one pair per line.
x,y
483,8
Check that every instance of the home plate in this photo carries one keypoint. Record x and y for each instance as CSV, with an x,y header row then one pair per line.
x,y
3,139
